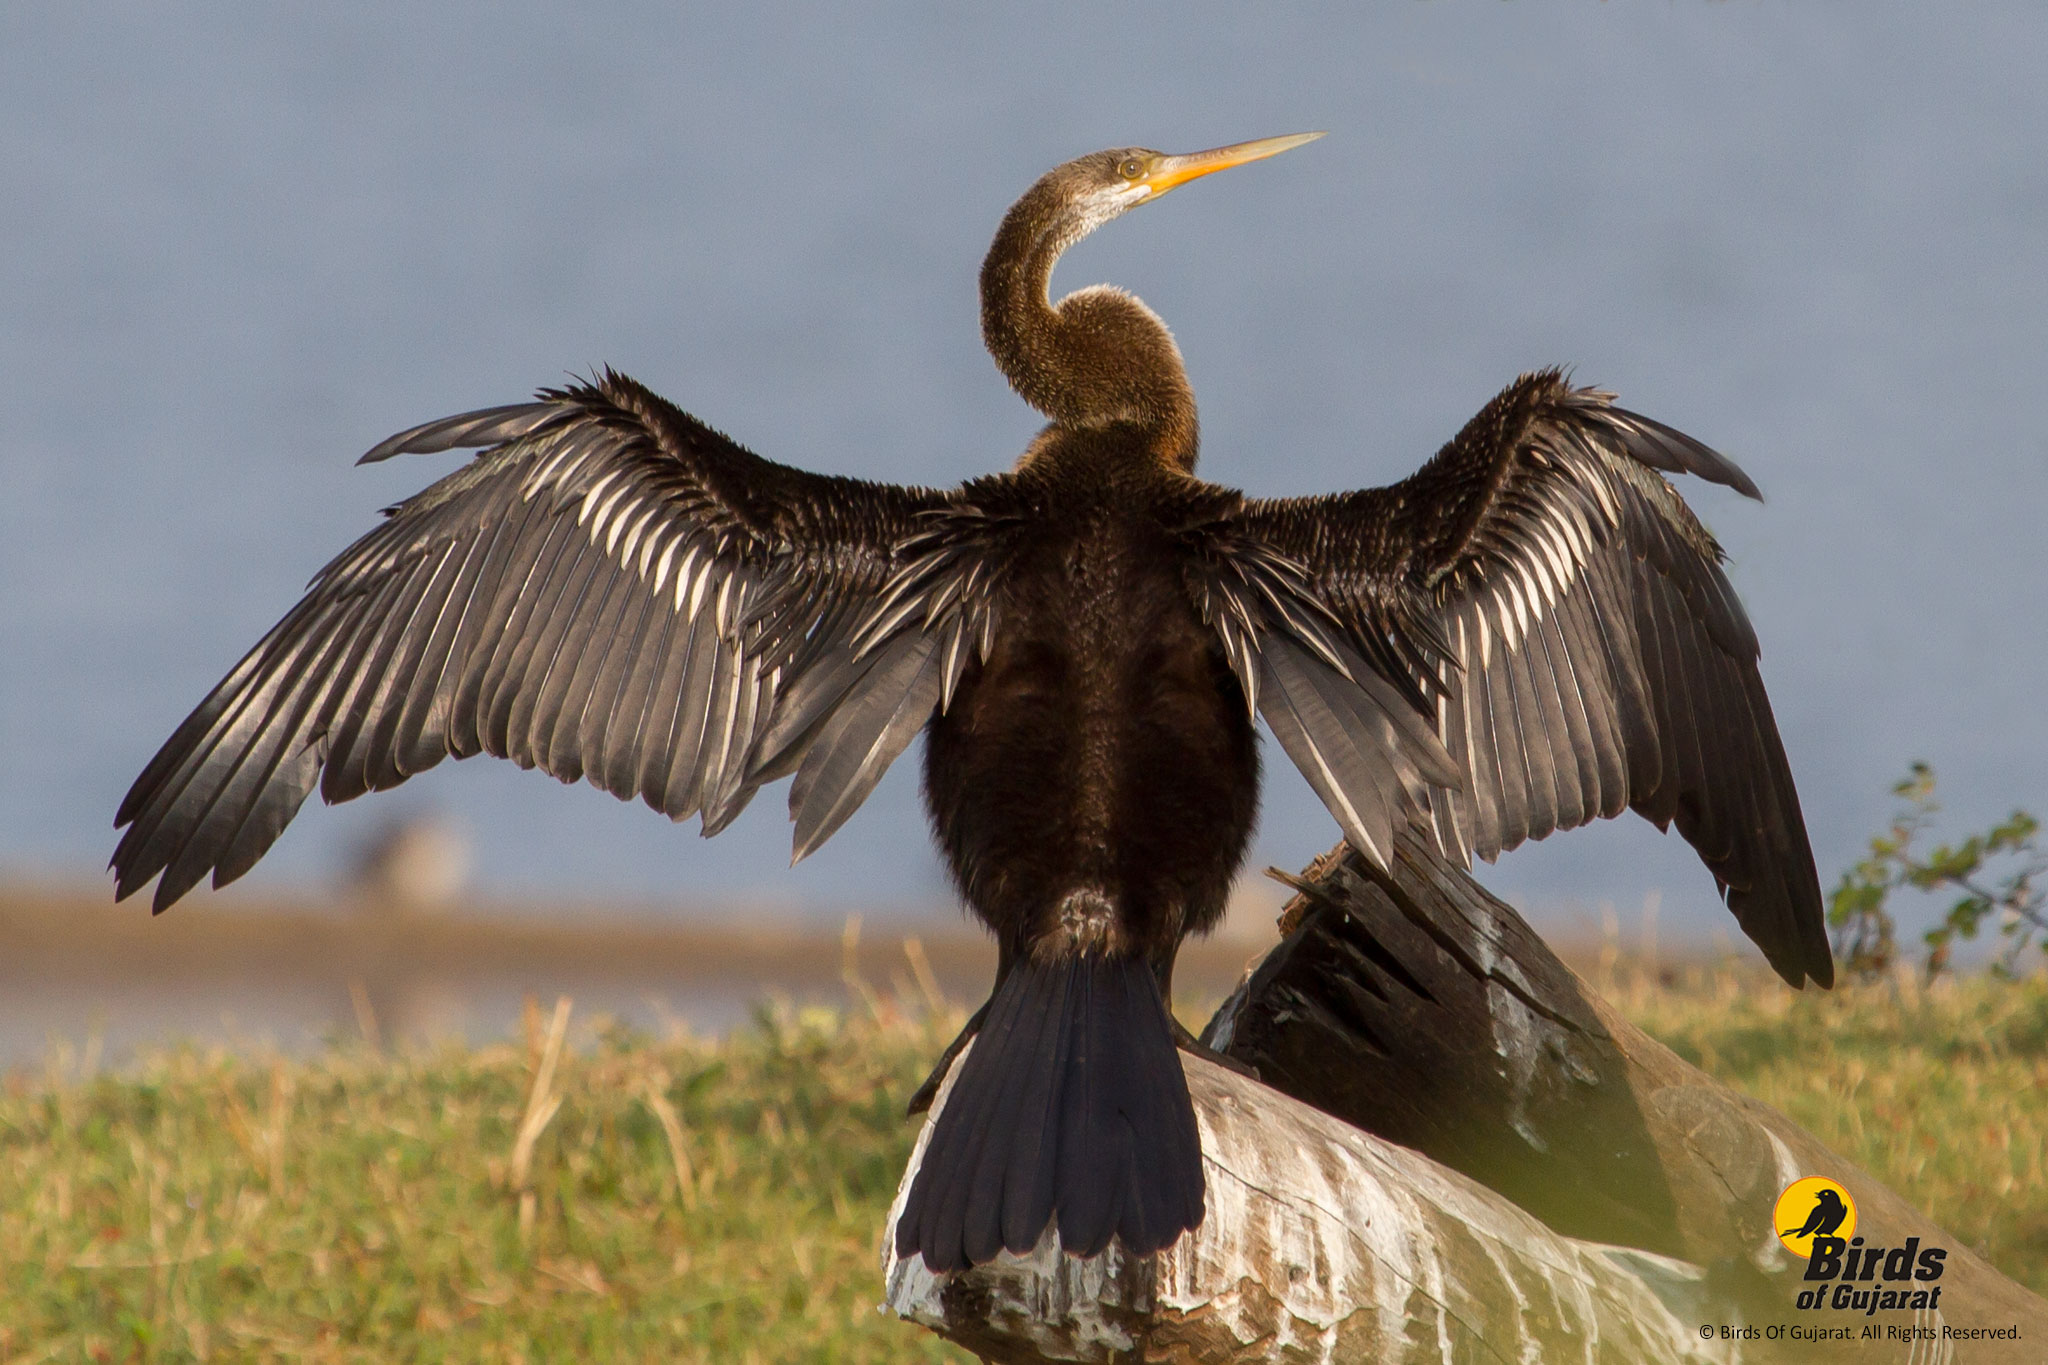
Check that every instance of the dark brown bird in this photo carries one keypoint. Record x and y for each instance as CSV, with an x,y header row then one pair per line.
x,y
1530,632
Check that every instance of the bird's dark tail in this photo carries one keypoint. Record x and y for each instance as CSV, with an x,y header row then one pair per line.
x,y
1071,1105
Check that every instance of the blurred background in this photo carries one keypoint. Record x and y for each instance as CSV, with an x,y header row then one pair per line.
x,y
244,243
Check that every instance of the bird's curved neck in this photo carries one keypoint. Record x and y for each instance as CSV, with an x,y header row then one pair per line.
x,y
1098,358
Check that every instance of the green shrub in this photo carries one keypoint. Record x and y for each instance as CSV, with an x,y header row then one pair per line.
x,y
1997,873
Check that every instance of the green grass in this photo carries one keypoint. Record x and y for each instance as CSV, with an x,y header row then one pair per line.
x,y
697,1200
352,1207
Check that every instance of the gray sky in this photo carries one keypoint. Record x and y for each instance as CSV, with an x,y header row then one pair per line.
x,y
244,244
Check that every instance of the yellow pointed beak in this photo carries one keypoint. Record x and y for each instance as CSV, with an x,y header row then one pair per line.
x,y
1167,172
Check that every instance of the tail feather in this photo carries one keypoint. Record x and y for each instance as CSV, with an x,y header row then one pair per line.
x,y
980,1160
1071,1105
1030,1184
1024,1159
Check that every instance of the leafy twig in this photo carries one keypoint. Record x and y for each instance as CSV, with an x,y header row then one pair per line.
x,y
1999,873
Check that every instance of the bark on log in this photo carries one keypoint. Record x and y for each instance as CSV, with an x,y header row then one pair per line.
x,y
1605,1199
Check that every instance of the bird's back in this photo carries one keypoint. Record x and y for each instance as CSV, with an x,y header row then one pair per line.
x,y
1103,749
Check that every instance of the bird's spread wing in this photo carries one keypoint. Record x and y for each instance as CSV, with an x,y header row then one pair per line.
x,y
611,591
1561,617
1344,683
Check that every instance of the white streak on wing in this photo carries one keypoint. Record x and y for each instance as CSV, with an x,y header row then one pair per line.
x,y
593,493
1467,721
657,537
615,504
937,600
896,608
631,539
668,552
949,674
1543,552
683,578
1562,560
462,606
1513,615
1605,493
1353,822
613,514
625,518
698,581
1536,571
731,709
1243,660
557,469
1348,817
1570,529
723,609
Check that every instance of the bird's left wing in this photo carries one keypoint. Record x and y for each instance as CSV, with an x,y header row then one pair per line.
x,y
1558,620
610,590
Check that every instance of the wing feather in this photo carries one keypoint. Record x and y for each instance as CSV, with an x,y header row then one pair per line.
x,y
414,731
608,591
356,673
863,737
1576,784
1595,687
693,715
1580,650
1507,743
619,725
1340,764
593,704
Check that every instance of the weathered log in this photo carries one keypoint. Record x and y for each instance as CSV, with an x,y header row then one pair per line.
x,y
1320,1243
1417,1006
1613,1200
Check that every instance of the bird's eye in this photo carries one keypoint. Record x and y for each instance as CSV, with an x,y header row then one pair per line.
x,y
1131,169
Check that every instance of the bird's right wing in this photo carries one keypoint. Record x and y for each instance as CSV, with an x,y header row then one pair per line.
x,y
1558,619
610,591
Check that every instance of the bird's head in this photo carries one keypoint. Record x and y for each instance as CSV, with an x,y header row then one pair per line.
x,y
1090,190
1099,356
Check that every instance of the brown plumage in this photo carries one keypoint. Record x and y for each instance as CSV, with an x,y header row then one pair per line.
x,y
1530,632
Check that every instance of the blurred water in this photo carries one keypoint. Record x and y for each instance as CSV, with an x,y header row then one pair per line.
x,y
241,244
248,974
